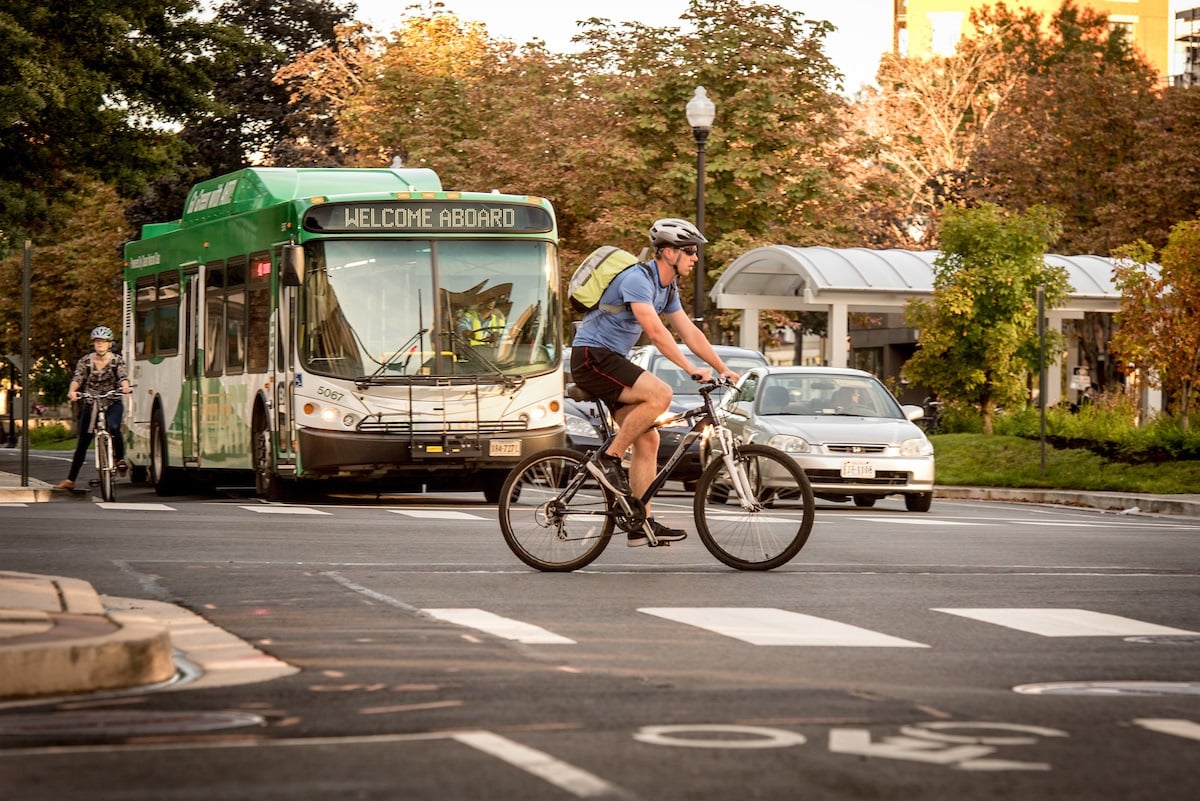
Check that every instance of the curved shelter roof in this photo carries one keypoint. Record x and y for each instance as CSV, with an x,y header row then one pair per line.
x,y
787,277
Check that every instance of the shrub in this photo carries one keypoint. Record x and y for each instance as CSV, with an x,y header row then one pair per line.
x,y
45,435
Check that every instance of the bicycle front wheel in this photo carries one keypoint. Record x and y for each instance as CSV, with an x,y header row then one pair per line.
x,y
104,466
545,529
775,522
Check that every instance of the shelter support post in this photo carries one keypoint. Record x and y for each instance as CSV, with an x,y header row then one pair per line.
x,y
839,335
748,333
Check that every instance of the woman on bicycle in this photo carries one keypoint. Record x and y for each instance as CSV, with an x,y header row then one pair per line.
x,y
600,363
96,373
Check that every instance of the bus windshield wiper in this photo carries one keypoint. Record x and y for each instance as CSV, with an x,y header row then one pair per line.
x,y
464,350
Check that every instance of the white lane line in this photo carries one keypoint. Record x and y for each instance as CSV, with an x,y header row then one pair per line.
x,y
285,510
576,781
913,521
503,627
136,507
1180,728
767,626
1065,622
435,514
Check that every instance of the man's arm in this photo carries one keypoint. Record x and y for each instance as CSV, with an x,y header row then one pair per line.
x,y
694,338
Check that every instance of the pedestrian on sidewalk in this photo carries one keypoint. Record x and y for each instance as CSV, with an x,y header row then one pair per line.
x,y
98,372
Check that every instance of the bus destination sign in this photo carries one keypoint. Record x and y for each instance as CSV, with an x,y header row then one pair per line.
x,y
427,216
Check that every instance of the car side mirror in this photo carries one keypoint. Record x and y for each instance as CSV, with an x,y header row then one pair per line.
x,y
740,408
913,413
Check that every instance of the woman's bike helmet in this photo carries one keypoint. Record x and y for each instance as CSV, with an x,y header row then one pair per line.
x,y
102,332
674,233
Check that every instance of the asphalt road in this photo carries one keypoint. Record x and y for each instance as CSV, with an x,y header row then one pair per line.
x,y
979,651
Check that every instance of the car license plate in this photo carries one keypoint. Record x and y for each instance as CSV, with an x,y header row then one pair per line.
x,y
504,447
858,469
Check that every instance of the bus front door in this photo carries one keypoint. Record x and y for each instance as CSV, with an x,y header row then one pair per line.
x,y
189,401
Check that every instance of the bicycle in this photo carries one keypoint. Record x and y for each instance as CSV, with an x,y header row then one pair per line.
x,y
106,466
556,517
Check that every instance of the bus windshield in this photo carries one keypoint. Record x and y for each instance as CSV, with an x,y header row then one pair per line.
x,y
391,310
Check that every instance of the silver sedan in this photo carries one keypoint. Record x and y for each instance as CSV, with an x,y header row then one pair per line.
x,y
843,427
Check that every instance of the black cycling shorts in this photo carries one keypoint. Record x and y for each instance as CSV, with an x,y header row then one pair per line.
x,y
603,373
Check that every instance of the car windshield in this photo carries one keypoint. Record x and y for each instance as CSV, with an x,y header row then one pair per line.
x,y
392,310
826,395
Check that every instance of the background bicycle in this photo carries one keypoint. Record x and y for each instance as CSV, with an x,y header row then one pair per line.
x,y
106,464
753,508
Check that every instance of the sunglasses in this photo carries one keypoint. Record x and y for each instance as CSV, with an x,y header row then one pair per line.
x,y
690,250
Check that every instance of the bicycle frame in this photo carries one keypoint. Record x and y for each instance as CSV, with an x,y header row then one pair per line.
x,y
106,467
703,418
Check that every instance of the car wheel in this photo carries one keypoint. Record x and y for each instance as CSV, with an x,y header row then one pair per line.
x,y
918,501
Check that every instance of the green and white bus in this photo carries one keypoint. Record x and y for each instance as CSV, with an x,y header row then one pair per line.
x,y
323,324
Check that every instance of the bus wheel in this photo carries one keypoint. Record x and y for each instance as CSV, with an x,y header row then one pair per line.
x,y
490,482
266,481
160,474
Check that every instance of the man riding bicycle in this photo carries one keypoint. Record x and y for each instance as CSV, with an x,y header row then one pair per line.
x,y
600,364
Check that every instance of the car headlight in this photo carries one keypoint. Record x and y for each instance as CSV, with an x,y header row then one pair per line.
x,y
580,427
918,446
789,443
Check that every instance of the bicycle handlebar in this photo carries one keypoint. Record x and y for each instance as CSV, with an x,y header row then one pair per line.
x,y
112,393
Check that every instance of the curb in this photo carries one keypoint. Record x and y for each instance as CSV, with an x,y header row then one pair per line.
x,y
60,640
1122,502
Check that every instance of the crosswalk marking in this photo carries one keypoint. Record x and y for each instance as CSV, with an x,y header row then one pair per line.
x,y
1065,622
503,627
135,507
767,626
285,510
436,514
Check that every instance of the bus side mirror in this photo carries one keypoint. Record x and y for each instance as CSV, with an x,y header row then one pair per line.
x,y
291,265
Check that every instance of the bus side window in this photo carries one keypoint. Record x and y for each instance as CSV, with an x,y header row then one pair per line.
x,y
258,313
214,314
235,316
146,300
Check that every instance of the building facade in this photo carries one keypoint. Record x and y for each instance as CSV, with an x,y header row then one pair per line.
x,y
933,27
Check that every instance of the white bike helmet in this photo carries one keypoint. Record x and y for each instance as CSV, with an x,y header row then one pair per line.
x,y
673,233
102,332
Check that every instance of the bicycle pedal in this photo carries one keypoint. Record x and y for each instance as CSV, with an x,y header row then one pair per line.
x,y
659,544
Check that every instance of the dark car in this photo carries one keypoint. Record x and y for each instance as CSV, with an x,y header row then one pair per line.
x,y
583,427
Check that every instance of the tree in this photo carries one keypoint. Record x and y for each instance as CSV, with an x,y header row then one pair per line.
x,y
1158,185
88,90
978,333
928,118
1069,124
76,279
1159,324
247,120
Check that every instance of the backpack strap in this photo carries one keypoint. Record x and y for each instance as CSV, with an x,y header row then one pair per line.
x,y
652,274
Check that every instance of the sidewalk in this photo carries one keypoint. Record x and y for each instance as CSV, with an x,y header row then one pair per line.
x,y
57,638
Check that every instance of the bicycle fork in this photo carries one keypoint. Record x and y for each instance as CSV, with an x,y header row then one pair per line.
x,y
737,471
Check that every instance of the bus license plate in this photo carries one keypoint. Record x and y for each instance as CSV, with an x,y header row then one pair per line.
x,y
858,470
504,447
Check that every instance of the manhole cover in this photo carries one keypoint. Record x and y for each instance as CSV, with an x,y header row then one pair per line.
x,y
1167,639
120,724
1111,688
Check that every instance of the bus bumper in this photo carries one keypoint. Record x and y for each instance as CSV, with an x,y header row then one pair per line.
x,y
330,453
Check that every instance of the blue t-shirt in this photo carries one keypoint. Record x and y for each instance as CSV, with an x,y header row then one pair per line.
x,y
620,332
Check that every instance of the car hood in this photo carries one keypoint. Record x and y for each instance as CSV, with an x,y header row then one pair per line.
x,y
822,429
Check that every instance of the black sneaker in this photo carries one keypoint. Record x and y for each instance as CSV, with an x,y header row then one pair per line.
x,y
661,533
608,471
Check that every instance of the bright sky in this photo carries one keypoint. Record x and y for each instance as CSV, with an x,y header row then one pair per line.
x,y
864,26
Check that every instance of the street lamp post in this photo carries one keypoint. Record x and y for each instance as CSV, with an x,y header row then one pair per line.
x,y
700,114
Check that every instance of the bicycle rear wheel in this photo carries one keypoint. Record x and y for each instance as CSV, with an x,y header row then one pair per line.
x,y
769,534
543,532
106,469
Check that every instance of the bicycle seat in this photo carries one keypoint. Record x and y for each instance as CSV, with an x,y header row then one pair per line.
x,y
578,393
